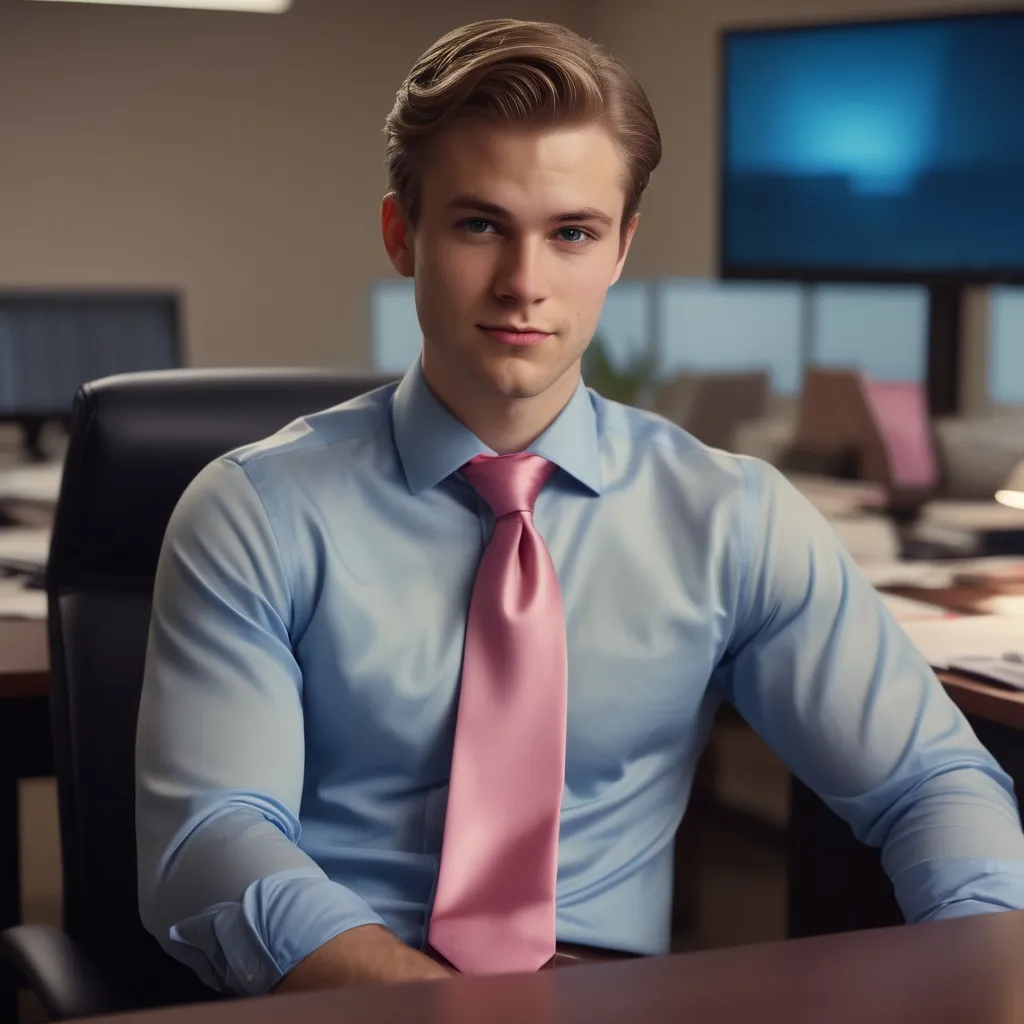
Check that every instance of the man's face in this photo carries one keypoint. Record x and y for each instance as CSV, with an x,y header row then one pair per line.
x,y
519,228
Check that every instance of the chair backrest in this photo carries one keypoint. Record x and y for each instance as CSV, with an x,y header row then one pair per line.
x,y
878,430
899,412
136,442
712,405
832,424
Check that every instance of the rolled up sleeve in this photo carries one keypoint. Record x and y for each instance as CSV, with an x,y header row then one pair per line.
x,y
223,885
822,671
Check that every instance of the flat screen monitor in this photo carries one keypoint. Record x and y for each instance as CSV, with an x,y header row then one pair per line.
x,y
885,151
53,342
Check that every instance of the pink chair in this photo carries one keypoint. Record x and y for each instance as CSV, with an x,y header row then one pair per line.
x,y
878,430
899,412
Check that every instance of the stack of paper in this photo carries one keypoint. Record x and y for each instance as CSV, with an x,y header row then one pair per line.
x,y
930,575
1006,604
838,499
947,642
945,573
25,549
904,609
35,484
869,539
18,601
972,515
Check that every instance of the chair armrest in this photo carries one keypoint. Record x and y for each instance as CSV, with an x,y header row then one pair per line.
x,y
59,973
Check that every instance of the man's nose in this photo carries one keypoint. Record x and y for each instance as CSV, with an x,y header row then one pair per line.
x,y
521,273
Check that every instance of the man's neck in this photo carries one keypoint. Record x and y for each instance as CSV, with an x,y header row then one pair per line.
x,y
513,425
506,437
512,428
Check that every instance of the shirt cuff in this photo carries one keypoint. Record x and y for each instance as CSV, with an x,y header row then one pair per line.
x,y
945,887
249,946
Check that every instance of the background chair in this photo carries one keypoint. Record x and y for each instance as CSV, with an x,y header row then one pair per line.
x,y
879,431
711,406
136,442
832,425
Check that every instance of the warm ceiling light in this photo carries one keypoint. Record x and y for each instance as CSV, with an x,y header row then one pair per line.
x,y
249,6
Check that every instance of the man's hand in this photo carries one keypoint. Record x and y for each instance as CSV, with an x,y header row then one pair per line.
x,y
361,955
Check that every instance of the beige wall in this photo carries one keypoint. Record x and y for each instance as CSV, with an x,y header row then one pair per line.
x,y
672,45
236,157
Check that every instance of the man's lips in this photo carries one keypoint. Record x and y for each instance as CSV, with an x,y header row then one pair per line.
x,y
514,336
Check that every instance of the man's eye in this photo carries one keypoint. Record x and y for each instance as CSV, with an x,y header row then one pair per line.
x,y
579,235
477,225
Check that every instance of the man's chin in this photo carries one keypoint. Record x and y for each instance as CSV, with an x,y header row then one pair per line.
x,y
519,383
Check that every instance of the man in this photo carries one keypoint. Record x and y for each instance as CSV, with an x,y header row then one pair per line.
x,y
429,672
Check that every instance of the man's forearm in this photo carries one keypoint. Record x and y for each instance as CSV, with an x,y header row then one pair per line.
x,y
365,955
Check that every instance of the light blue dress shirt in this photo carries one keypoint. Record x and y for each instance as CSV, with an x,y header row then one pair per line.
x,y
298,712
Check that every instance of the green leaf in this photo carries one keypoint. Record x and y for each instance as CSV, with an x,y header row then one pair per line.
x,y
624,386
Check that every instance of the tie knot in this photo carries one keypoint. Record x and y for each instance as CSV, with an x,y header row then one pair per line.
x,y
509,483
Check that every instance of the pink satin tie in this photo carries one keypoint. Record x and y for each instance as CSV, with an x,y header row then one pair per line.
x,y
494,910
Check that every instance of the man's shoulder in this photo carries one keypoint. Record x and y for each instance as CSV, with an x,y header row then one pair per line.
x,y
296,465
347,430
651,437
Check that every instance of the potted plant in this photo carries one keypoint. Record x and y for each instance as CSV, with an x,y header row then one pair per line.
x,y
630,385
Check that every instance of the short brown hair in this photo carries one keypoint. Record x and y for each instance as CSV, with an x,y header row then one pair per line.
x,y
519,72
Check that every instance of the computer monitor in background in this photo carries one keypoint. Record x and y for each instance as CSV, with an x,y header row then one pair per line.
x,y
878,151
888,150
51,343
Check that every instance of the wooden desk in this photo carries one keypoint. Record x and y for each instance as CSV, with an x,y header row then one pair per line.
x,y
822,847
964,971
25,749
24,659
976,698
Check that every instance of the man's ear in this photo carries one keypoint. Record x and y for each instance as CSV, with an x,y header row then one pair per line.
x,y
624,244
397,235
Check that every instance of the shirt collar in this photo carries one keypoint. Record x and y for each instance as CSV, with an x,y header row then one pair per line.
x,y
432,444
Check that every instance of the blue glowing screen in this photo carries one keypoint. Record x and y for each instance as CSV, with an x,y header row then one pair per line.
x,y
896,148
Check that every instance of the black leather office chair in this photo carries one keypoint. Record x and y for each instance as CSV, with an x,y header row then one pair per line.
x,y
136,442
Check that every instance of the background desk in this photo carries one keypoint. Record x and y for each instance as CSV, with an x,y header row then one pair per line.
x,y
978,700
964,971
822,848
25,750
24,659
837,884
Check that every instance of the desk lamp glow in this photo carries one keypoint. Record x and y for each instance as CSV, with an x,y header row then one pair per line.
x,y
248,6
1013,493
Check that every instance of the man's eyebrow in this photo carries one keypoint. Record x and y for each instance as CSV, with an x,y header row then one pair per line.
x,y
589,213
